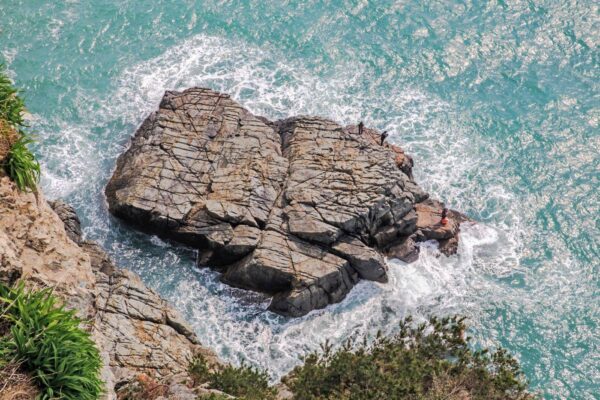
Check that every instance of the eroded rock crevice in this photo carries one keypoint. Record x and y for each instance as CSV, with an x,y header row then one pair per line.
x,y
299,208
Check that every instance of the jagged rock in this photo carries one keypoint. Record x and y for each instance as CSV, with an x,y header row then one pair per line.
x,y
135,327
405,249
69,217
40,250
368,263
428,222
10,265
135,330
430,228
298,208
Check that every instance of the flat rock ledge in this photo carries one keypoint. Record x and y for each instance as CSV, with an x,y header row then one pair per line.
x,y
300,208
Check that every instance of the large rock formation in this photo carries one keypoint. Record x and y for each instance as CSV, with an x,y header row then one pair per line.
x,y
136,331
299,208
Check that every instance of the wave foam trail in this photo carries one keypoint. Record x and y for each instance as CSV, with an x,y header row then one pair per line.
x,y
238,327
232,321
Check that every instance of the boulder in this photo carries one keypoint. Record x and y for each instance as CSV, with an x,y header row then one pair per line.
x,y
299,208
429,227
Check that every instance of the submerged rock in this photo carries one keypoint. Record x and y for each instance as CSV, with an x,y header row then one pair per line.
x,y
299,208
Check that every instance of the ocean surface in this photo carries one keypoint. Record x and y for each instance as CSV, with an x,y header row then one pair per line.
x,y
498,102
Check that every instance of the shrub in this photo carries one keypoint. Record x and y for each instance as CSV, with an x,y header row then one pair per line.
x,y
18,161
48,342
429,361
199,370
243,382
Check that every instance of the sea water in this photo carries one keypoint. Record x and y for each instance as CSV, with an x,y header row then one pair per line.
x,y
498,102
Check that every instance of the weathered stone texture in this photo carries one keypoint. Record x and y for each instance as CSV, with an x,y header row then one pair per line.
x,y
136,331
299,208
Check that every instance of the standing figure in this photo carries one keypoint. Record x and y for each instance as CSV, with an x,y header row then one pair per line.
x,y
444,220
361,126
384,135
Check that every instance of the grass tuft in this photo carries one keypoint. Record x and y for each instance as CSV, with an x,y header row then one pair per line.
x,y
22,166
15,157
47,341
11,105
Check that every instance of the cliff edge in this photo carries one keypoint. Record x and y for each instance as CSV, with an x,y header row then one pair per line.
x,y
136,331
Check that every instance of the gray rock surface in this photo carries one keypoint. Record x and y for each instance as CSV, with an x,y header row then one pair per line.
x,y
299,208
137,331
69,217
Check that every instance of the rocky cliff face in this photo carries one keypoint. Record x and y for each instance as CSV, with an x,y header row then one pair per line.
x,y
300,208
136,331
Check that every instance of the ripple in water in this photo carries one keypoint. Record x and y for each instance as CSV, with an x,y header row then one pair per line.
x,y
234,322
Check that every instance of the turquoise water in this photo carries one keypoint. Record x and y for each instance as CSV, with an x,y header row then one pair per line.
x,y
499,103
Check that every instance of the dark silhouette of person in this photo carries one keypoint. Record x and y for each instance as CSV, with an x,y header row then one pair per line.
x,y
384,136
361,126
444,220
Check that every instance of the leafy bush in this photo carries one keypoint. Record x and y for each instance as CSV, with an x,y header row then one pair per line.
x,y
242,382
48,342
429,361
245,382
20,164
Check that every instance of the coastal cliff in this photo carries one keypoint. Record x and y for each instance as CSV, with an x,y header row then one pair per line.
x,y
136,332
300,208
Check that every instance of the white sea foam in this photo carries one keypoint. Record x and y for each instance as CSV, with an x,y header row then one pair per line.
x,y
235,322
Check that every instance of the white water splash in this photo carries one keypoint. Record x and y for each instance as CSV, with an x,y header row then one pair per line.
x,y
232,321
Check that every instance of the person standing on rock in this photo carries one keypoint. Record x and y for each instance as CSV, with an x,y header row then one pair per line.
x,y
361,126
444,220
384,136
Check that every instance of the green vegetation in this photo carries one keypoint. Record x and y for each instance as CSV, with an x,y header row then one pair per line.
x,y
15,157
47,342
11,105
22,166
432,361
242,382
429,361
214,396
